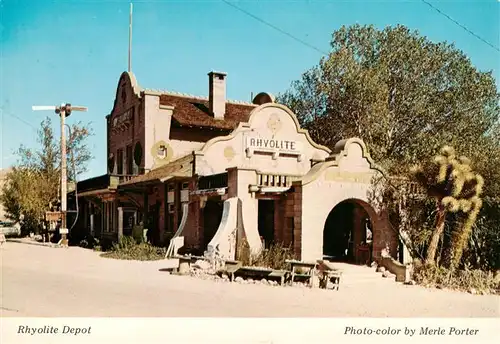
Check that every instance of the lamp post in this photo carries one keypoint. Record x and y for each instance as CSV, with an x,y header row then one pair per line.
x,y
63,110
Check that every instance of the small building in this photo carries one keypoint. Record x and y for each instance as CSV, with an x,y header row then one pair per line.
x,y
218,172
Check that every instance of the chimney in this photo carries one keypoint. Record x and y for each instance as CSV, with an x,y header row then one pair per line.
x,y
217,94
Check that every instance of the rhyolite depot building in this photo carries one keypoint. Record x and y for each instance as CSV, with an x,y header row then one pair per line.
x,y
213,171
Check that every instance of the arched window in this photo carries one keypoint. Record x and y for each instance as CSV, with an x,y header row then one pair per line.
x,y
124,96
138,154
111,163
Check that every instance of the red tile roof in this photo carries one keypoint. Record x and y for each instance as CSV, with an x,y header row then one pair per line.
x,y
192,111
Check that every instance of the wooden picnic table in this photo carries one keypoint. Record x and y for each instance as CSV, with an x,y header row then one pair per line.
x,y
185,262
297,268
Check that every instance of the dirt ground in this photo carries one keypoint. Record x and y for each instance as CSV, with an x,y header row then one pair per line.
x,y
74,282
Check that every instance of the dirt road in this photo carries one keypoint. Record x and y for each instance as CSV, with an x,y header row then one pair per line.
x,y
74,282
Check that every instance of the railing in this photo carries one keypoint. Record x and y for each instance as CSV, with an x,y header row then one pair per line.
x,y
115,179
125,177
276,180
413,189
215,181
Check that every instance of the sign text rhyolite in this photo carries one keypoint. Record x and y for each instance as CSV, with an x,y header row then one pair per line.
x,y
258,143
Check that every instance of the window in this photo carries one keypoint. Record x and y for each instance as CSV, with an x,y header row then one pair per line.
x,y
368,231
111,163
119,161
130,161
111,217
171,228
138,153
124,96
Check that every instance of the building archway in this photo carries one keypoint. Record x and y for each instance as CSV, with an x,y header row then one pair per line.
x,y
348,232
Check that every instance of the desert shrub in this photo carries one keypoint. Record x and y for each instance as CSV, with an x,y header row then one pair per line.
x,y
128,249
469,280
274,257
125,243
138,233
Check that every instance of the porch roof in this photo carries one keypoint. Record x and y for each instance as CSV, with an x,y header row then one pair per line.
x,y
95,185
182,167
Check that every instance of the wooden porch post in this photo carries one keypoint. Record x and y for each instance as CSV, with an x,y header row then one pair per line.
x,y
120,222
165,207
146,209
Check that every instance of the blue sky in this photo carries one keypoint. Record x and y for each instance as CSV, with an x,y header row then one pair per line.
x,y
74,51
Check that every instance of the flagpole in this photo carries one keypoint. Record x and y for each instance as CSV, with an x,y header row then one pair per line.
x,y
130,40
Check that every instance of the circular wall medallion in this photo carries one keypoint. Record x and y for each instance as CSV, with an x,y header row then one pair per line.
x,y
229,153
162,152
274,123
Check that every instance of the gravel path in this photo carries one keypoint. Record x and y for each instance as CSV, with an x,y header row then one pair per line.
x,y
74,282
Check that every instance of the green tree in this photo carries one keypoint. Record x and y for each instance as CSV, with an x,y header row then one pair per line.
x,y
407,97
32,187
404,95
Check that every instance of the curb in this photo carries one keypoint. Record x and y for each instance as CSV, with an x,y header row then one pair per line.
x,y
20,241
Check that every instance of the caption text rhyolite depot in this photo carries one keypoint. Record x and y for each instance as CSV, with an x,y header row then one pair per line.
x,y
49,329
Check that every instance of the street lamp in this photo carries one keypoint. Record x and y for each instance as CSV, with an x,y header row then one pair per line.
x,y
63,110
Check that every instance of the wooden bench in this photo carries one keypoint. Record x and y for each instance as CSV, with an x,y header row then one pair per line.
x,y
330,276
280,275
252,271
184,264
329,273
228,263
230,267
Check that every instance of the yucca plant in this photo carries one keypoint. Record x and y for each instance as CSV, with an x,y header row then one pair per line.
x,y
455,187
470,204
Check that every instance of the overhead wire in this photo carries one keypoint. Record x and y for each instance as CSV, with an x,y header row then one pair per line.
x,y
301,41
274,27
459,24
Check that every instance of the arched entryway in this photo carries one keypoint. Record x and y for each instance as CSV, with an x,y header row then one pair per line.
x,y
348,232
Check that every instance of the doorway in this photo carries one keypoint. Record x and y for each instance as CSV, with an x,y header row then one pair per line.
x,y
153,233
266,221
212,216
347,234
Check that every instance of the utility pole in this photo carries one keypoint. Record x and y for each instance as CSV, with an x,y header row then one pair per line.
x,y
63,111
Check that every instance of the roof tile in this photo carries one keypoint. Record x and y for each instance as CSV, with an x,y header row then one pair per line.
x,y
194,111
